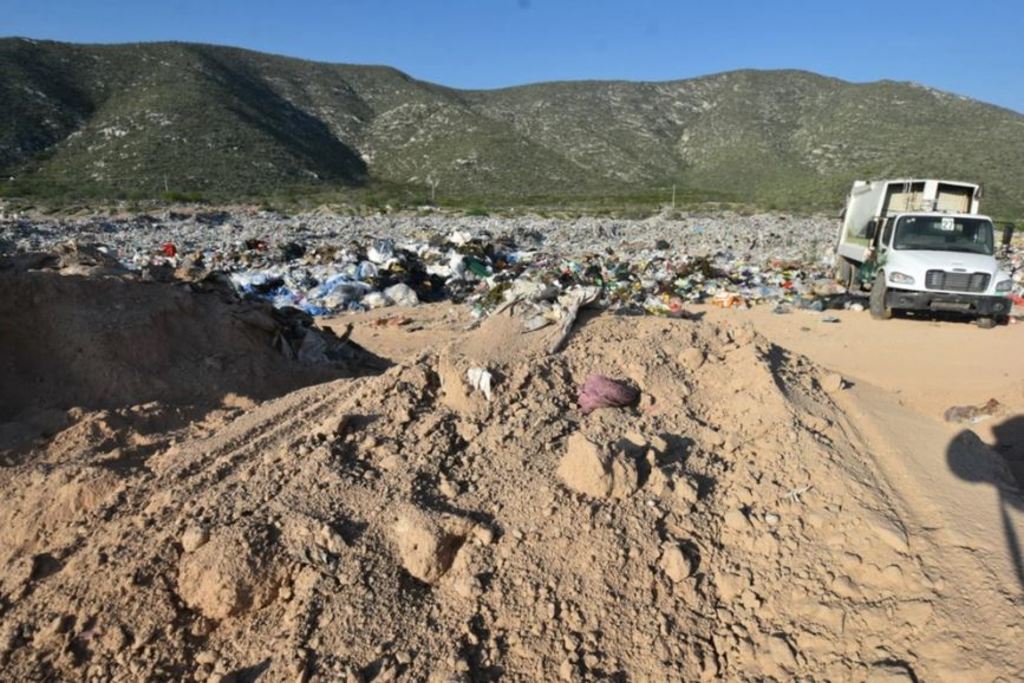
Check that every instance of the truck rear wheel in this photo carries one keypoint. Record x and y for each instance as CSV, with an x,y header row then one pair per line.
x,y
880,310
845,272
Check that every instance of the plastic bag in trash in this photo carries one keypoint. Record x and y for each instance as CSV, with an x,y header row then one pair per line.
x,y
367,270
480,380
375,300
381,251
402,295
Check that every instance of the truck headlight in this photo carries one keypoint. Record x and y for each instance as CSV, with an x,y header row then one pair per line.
x,y
900,278
1004,285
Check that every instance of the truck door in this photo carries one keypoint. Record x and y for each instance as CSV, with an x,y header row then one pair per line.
x,y
883,239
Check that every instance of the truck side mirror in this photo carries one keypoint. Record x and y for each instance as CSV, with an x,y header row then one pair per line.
x,y
1008,235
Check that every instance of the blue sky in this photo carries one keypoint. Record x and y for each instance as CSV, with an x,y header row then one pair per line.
x,y
972,48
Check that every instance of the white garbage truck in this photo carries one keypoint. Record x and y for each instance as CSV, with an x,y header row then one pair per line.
x,y
921,245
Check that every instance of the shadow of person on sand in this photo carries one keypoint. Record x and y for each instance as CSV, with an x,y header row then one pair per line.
x,y
1001,465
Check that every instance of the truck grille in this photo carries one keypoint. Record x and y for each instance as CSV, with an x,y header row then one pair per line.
x,y
956,282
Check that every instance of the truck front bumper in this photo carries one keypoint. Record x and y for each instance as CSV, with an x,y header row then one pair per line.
x,y
972,304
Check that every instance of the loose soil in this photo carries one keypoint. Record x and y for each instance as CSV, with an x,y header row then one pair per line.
x,y
757,515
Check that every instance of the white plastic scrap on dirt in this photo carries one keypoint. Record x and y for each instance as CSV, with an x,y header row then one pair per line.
x,y
480,380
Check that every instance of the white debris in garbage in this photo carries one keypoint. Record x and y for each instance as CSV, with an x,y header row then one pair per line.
x,y
402,295
480,380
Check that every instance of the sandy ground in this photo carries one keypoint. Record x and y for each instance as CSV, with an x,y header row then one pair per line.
x,y
783,502
927,366
930,365
906,373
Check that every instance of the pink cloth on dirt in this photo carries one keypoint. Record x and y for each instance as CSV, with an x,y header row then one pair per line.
x,y
604,392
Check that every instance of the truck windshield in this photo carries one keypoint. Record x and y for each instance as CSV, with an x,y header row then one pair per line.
x,y
944,233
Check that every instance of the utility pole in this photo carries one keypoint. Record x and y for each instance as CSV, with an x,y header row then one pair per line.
x,y
673,196
433,187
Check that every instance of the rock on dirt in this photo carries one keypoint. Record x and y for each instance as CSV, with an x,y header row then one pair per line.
x,y
691,358
676,565
592,470
428,543
193,538
832,382
230,574
736,520
686,489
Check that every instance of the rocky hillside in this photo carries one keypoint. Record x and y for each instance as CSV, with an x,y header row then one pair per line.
x,y
138,120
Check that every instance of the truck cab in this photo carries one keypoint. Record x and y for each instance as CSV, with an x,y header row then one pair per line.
x,y
938,262
923,246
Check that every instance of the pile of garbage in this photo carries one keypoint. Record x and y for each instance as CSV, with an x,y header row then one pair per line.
x,y
1013,263
486,273
323,263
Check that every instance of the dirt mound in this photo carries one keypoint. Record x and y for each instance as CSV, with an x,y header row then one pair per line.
x,y
79,334
405,526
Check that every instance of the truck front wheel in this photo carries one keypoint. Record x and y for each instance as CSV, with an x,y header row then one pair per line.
x,y
880,310
986,322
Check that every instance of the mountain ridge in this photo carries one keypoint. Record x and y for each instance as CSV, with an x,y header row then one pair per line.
x,y
139,119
